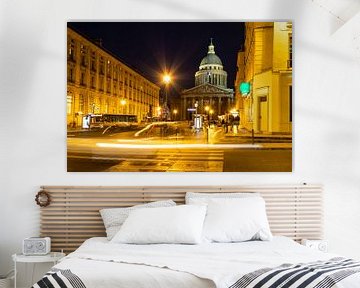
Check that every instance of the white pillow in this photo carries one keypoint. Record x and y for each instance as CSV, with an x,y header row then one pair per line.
x,y
180,224
204,198
113,218
236,220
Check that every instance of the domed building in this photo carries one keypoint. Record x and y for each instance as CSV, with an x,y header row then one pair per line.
x,y
210,88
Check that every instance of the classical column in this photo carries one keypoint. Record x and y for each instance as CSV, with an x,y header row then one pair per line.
x,y
219,106
184,108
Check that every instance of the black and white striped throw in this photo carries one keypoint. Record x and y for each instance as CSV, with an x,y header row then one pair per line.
x,y
59,278
320,274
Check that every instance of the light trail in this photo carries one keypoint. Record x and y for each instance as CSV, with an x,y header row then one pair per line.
x,y
177,146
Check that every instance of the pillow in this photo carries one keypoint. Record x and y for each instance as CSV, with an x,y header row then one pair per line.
x,y
172,225
113,218
203,198
236,220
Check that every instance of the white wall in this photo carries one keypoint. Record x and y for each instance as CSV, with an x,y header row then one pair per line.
x,y
32,91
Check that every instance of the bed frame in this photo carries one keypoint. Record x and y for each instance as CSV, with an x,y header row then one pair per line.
x,y
73,215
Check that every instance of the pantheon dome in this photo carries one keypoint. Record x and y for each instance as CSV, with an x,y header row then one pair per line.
x,y
211,70
210,92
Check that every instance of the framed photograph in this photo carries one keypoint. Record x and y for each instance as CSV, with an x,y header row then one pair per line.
x,y
179,96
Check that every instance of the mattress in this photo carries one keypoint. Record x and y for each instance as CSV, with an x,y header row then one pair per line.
x,y
99,263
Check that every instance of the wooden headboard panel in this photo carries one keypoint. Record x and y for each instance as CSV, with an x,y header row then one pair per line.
x,y
73,215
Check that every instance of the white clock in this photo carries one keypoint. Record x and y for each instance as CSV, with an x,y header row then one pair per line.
x,y
36,246
320,245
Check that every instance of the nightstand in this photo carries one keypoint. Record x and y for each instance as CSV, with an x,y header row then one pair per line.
x,y
320,245
53,257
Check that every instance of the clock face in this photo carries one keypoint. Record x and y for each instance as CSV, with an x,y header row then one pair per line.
x,y
40,245
29,245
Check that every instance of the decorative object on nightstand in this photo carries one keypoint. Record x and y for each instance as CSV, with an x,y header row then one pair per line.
x,y
53,257
36,246
321,245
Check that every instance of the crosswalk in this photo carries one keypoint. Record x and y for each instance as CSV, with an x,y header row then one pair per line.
x,y
170,160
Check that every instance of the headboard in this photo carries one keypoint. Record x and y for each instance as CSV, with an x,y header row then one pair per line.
x,y
73,214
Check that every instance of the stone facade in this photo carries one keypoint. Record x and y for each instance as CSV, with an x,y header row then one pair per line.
x,y
99,82
210,88
266,63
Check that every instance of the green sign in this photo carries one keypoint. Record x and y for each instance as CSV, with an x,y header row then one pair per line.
x,y
245,88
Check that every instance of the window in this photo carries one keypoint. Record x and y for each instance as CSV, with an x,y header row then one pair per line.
x,y
71,50
81,103
108,85
92,81
71,75
83,55
82,79
108,68
290,51
102,65
101,86
69,100
93,61
290,103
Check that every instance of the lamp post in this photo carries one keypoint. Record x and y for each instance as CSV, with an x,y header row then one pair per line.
x,y
211,113
207,108
166,80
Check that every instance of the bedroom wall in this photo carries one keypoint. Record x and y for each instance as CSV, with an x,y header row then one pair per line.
x,y
32,107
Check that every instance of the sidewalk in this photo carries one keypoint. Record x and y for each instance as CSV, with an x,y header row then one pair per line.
x,y
244,134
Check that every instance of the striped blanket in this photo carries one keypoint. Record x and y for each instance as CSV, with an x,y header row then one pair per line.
x,y
59,278
320,274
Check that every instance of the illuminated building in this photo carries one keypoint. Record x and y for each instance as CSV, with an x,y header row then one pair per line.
x,y
99,82
265,72
210,88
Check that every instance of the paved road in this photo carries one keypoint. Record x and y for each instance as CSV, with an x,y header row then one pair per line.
x,y
183,152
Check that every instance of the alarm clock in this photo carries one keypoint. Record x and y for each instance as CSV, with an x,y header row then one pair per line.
x,y
36,246
320,245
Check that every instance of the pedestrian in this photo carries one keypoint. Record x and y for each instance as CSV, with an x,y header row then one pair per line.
x,y
236,123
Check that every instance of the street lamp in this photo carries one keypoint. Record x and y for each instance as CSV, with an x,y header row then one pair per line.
x,y
211,112
175,111
207,108
166,80
123,103
158,111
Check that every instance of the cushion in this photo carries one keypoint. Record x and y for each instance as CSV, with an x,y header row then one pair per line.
x,y
236,220
203,198
113,218
172,225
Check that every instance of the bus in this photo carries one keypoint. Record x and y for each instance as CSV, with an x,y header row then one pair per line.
x,y
109,120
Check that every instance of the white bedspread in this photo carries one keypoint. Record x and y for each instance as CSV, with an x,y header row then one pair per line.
x,y
221,263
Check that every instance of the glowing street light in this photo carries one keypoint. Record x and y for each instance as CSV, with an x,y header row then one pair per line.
x,y
175,111
167,78
158,110
123,103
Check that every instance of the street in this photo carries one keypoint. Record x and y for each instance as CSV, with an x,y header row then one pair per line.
x,y
174,146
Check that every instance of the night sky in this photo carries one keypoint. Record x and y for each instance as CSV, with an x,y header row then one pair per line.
x,y
178,47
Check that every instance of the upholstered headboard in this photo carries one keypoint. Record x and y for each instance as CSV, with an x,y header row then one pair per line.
x,y
73,214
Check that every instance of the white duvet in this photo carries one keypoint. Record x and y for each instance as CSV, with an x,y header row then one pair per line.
x,y
100,263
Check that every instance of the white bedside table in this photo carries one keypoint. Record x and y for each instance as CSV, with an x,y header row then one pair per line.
x,y
53,257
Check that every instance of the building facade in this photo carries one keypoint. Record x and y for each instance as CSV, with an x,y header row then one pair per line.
x,y
210,92
265,65
98,82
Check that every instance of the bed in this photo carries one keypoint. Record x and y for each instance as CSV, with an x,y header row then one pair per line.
x,y
294,210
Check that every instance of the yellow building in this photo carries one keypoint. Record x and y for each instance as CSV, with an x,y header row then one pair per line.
x,y
99,82
266,64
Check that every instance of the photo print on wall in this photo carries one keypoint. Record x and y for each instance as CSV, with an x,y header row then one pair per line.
x,y
179,96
